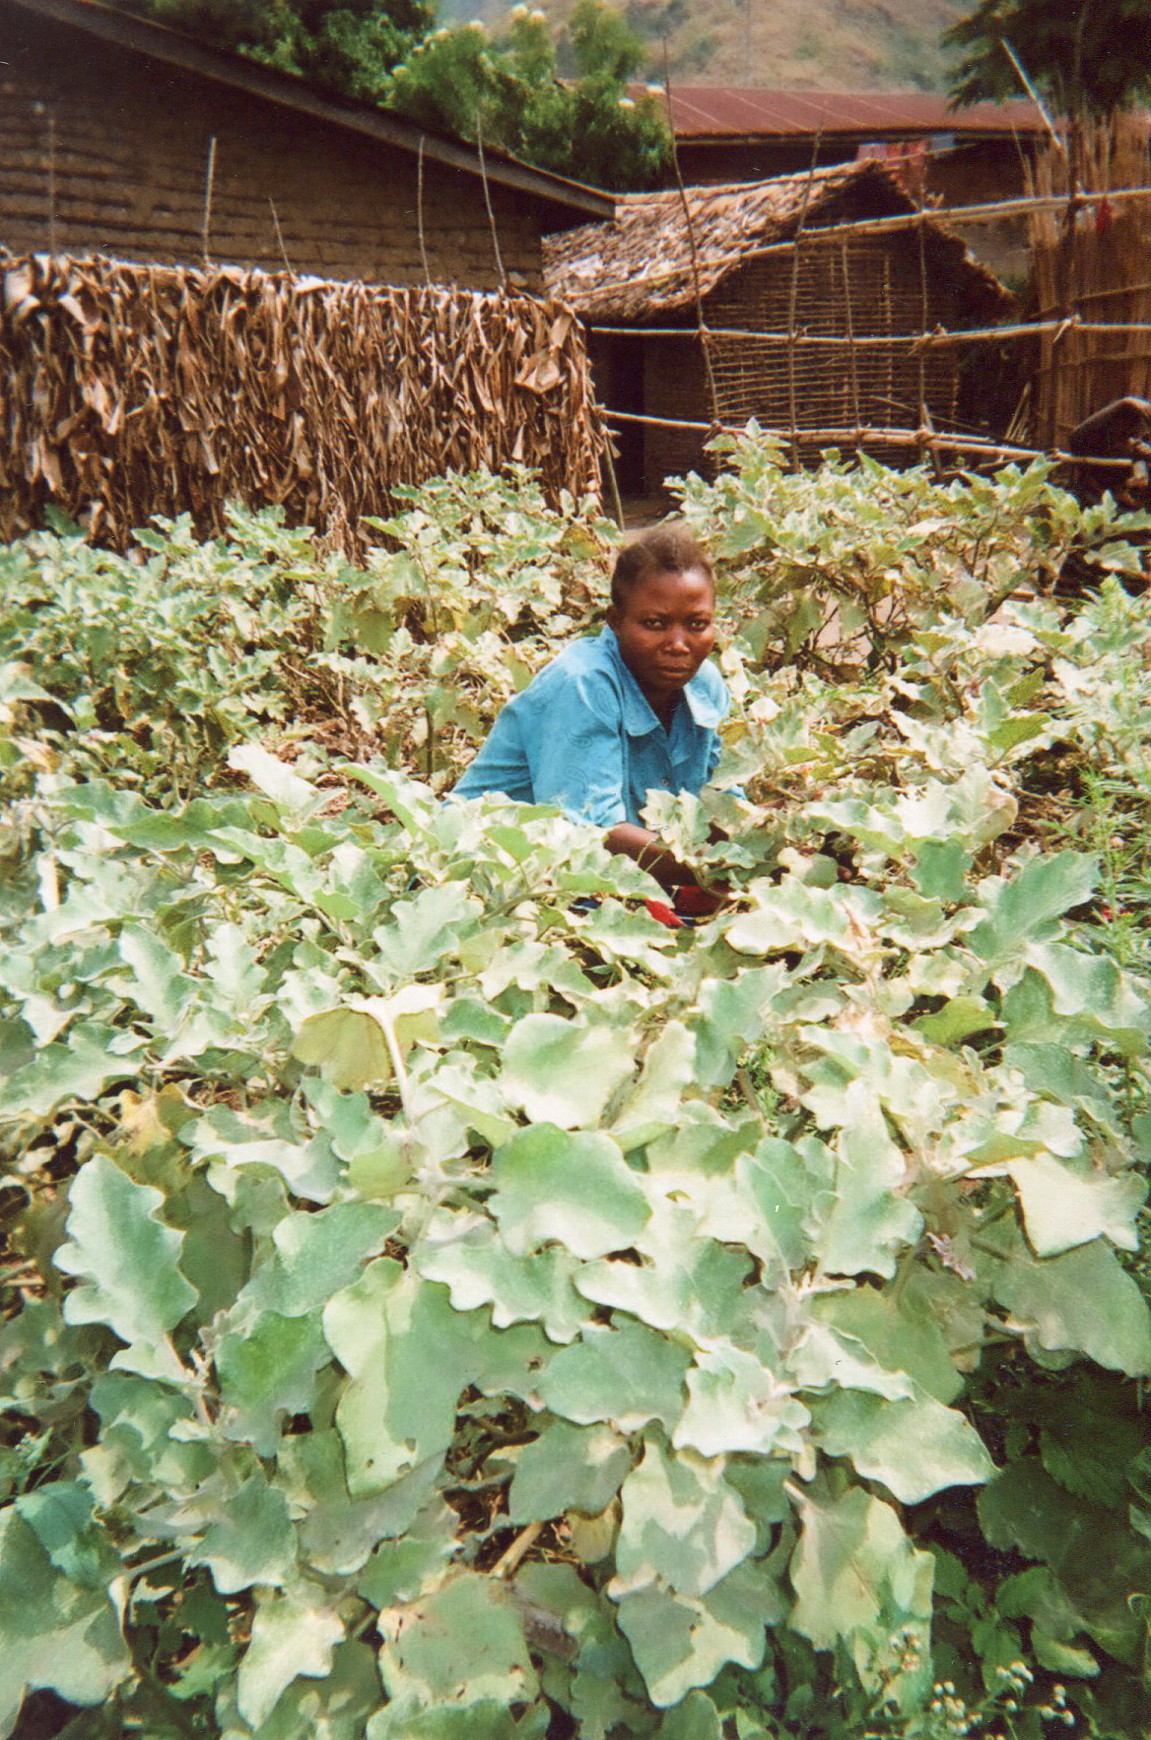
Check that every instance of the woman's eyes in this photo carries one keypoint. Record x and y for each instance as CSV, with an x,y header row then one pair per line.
x,y
698,624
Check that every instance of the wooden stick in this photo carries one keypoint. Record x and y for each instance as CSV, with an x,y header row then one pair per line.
x,y
886,437
926,340
853,362
420,211
279,235
209,185
488,202
701,324
793,297
52,232
1032,93
509,1562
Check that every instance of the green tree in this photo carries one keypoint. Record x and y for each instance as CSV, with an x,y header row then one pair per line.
x,y
509,90
1083,55
350,47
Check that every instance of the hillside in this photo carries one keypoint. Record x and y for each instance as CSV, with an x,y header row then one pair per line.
x,y
795,44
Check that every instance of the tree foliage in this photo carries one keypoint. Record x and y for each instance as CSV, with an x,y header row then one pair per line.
x,y
351,46
1085,56
509,90
446,1302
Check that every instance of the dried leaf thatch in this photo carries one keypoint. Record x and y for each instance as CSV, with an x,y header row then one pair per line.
x,y
641,265
130,390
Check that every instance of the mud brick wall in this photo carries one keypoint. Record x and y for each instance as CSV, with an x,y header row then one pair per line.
x,y
105,150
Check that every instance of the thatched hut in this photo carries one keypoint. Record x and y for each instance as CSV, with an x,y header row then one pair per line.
x,y
773,291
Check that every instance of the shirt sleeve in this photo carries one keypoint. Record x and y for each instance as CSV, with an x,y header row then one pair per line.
x,y
578,755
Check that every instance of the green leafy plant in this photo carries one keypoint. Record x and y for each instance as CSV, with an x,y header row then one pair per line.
x,y
446,1305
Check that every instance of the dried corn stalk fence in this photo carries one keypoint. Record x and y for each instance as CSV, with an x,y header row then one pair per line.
x,y
1091,264
130,390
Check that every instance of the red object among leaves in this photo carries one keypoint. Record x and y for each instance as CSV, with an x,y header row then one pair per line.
x,y
663,914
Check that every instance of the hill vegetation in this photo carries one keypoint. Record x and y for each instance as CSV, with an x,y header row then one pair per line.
x,y
862,45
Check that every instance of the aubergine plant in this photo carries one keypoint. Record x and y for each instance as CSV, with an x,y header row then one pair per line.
x,y
442,1304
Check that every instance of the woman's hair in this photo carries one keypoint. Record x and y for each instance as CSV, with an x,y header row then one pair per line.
x,y
666,549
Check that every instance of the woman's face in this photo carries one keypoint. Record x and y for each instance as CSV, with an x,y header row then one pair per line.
x,y
665,628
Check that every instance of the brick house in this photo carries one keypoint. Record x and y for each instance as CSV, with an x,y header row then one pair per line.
x,y
121,137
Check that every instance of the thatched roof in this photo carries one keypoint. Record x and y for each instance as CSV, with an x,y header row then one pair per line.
x,y
640,265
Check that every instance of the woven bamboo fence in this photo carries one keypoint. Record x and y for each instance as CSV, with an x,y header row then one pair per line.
x,y
1091,263
131,390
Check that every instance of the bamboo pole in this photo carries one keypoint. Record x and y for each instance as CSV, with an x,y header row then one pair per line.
x,y
685,204
940,338
793,295
884,437
209,190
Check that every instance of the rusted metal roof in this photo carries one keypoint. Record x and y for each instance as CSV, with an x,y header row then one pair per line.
x,y
650,260
733,112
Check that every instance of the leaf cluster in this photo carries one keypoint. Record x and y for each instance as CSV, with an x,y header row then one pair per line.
x,y
446,1302
508,90
1090,57
349,46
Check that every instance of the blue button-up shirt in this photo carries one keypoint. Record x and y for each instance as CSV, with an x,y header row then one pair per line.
x,y
582,736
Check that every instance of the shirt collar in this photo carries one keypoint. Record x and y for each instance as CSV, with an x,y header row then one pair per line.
x,y
638,715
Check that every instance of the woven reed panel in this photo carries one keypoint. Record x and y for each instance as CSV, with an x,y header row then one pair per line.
x,y
874,286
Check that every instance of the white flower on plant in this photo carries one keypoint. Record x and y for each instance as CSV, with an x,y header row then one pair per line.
x,y
625,103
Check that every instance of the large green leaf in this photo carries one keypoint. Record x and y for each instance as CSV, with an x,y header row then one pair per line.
x,y
914,1446
266,1371
318,1253
681,1642
685,1283
576,1189
626,1376
871,1220
250,1540
421,931
57,1634
736,1403
567,1468
462,1645
856,1574
683,1525
292,1633
468,1255
126,1261
1043,890
564,1072
1081,1301
1064,1207
399,1340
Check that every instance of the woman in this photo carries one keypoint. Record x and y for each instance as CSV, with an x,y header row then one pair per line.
x,y
633,710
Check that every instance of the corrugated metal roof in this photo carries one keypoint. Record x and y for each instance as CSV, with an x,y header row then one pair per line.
x,y
735,112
